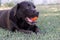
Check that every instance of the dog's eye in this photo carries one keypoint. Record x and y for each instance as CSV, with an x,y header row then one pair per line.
x,y
28,4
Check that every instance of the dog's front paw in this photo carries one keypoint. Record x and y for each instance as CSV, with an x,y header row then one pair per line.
x,y
38,31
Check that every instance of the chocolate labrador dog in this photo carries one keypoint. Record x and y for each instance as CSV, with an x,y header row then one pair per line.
x,y
22,17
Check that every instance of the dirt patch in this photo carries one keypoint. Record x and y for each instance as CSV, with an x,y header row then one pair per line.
x,y
4,8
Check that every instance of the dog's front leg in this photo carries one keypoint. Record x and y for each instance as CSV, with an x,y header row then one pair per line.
x,y
25,31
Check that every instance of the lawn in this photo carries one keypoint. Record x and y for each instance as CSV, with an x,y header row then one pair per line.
x,y
48,22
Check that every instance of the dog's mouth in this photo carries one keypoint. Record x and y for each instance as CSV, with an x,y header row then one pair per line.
x,y
31,21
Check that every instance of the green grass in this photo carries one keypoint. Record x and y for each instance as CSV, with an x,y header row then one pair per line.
x,y
48,24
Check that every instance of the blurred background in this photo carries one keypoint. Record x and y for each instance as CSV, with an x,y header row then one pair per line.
x,y
36,2
48,21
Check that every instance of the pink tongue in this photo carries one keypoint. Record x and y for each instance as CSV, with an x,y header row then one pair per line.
x,y
29,20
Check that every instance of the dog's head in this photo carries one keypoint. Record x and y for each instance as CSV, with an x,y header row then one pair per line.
x,y
26,10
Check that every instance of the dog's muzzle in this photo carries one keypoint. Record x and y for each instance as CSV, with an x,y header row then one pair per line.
x,y
31,21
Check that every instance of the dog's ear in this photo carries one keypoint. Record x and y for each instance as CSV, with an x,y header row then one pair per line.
x,y
14,9
18,6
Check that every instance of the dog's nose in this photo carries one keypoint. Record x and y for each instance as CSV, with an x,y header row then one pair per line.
x,y
37,12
